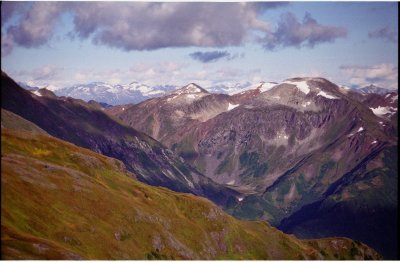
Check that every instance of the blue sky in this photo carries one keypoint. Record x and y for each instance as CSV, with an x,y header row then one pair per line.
x,y
65,43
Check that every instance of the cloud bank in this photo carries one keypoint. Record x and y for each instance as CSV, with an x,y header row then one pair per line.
x,y
151,25
140,25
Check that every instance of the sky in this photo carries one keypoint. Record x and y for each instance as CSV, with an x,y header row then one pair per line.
x,y
59,44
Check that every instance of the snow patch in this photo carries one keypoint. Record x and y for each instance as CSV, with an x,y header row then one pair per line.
x,y
380,111
302,86
37,93
232,182
155,92
306,104
123,108
262,86
231,106
189,183
266,86
374,142
395,98
240,199
322,93
359,130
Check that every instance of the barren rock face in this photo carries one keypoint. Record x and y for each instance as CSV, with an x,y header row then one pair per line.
x,y
212,131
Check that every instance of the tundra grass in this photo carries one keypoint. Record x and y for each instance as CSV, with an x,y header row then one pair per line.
x,y
59,201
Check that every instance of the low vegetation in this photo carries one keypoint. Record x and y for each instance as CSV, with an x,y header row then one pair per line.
x,y
60,201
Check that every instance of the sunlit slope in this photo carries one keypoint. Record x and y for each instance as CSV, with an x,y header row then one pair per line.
x,y
13,121
60,201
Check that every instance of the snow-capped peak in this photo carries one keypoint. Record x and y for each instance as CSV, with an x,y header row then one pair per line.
x,y
190,89
373,89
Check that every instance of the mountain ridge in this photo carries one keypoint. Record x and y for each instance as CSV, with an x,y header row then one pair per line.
x,y
135,92
280,148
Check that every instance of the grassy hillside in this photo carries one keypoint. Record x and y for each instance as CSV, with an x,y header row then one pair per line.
x,y
13,121
60,201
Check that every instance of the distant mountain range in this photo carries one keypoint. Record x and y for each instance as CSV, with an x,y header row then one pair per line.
x,y
136,92
114,94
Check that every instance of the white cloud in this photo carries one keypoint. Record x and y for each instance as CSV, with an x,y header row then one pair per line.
x,y
291,32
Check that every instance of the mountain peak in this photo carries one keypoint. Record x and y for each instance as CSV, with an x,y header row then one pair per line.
x,y
313,84
44,92
373,89
191,88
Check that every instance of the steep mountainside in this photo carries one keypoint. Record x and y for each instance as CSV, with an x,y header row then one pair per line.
x,y
214,131
58,200
299,142
86,125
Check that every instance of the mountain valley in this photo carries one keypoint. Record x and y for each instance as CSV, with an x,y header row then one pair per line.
x,y
84,196
311,158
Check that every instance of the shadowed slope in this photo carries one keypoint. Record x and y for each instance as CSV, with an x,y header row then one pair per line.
x,y
88,126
